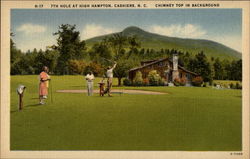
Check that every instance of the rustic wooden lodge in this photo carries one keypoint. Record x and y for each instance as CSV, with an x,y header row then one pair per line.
x,y
167,68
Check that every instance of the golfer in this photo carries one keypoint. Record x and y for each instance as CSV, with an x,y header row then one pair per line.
x,y
90,82
44,84
109,74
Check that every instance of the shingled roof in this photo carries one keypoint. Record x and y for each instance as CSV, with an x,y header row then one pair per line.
x,y
160,60
136,68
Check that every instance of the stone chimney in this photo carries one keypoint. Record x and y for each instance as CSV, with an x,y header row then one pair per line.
x,y
175,67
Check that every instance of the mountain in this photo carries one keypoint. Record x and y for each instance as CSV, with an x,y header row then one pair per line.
x,y
157,42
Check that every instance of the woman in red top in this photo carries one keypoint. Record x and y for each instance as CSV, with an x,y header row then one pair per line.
x,y
43,85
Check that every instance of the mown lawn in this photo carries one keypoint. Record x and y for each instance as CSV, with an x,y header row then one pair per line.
x,y
187,118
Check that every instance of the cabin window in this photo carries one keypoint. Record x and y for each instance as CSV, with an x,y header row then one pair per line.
x,y
160,64
167,65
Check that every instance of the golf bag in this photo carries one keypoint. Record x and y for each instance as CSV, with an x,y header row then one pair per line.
x,y
106,90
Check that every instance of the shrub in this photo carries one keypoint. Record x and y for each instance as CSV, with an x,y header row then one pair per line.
x,y
176,82
238,86
180,82
235,86
154,78
76,66
210,82
197,81
204,84
145,82
224,85
126,82
232,86
183,81
138,81
162,82
96,68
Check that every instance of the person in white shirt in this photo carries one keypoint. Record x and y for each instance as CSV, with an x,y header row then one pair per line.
x,y
90,82
109,74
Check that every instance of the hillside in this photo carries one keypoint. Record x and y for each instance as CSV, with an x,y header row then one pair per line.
x,y
157,42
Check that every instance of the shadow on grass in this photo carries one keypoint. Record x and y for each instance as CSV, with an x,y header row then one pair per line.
x,y
77,86
33,105
34,98
26,106
14,111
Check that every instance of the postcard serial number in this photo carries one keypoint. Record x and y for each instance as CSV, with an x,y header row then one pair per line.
x,y
236,153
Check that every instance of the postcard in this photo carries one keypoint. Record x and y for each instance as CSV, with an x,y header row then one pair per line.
x,y
125,79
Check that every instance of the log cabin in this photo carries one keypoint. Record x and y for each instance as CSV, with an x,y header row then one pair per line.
x,y
167,68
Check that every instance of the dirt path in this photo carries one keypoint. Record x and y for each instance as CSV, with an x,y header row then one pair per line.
x,y
115,91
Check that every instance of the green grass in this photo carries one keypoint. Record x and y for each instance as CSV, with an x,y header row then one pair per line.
x,y
187,118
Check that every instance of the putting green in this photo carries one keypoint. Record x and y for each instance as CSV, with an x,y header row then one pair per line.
x,y
116,91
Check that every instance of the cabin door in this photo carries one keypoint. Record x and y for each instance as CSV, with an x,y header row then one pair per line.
x,y
170,76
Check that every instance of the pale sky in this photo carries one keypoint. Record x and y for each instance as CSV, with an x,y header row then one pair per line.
x,y
34,28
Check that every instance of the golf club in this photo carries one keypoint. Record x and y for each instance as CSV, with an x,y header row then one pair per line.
x,y
51,91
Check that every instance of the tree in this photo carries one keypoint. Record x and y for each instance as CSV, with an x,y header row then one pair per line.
x,y
15,57
51,59
118,43
69,46
147,53
142,52
238,73
235,70
218,69
123,66
40,61
152,52
100,51
201,66
134,44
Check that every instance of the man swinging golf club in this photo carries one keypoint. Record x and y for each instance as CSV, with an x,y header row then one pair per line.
x,y
109,74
